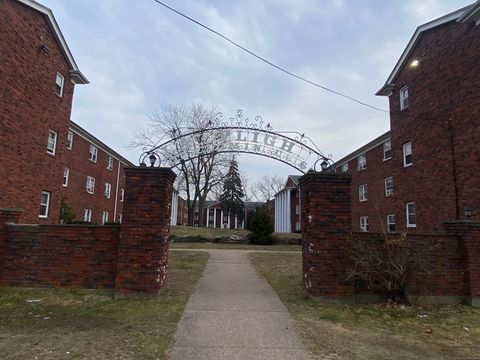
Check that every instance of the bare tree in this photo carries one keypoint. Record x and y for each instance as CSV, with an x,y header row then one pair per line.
x,y
266,188
199,171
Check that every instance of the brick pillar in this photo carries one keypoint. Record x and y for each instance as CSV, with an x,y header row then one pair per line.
x,y
326,226
469,234
7,216
143,248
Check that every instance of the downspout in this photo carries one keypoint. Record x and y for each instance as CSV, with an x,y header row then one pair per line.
x,y
116,193
454,168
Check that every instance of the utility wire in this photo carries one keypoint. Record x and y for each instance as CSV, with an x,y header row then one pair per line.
x,y
265,60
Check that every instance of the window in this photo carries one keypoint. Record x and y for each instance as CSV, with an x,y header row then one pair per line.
x,y
122,194
407,154
44,204
87,215
391,223
69,140
404,97
108,190
345,168
411,215
52,142
387,150
59,81
90,184
93,153
110,163
66,174
362,192
364,223
104,217
389,186
120,218
362,162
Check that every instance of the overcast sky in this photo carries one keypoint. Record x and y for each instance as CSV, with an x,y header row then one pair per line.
x,y
138,55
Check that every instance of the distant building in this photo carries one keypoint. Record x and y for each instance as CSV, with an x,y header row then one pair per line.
x,y
216,217
286,207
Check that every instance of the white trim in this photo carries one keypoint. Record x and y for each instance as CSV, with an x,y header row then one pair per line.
x,y
104,217
95,153
364,224
386,89
110,160
62,83
354,154
415,213
108,190
362,192
391,223
95,143
87,215
386,142
404,102
70,132
362,165
75,73
89,180
67,170
405,154
387,192
116,192
54,143
47,205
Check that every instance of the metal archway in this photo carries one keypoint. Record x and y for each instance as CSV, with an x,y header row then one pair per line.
x,y
237,135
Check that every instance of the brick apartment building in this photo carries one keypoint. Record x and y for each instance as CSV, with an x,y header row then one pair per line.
x,y
45,156
425,170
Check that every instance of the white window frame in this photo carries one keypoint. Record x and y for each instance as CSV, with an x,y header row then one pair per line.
x,y
110,162
93,154
45,204
108,190
104,217
405,154
345,167
87,215
404,97
363,192
90,185
51,151
122,194
120,218
61,84
364,224
390,222
388,192
409,224
387,146
69,140
66,176
362,162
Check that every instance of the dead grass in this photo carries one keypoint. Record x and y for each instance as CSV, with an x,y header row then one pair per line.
x,y
233,246
371,331
211,233
91,324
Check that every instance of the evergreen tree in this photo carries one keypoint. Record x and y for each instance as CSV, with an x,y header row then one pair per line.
x,y
262,227
232,195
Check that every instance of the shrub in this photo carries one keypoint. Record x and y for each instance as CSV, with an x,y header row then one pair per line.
x,y
67,216
262,227
387,264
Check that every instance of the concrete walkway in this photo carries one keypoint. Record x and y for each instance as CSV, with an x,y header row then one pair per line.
x,y
234,314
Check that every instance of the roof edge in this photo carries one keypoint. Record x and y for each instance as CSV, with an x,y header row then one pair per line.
x,y
75,73
453,16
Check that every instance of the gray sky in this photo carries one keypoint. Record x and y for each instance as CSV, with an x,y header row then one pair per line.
x,y
137,55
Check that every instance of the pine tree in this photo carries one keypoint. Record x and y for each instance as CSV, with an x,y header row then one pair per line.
x,y
232,195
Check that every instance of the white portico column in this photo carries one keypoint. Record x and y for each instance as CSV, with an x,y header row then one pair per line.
x,y
214,217
288,220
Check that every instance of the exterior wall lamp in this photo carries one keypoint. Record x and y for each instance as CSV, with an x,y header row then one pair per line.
x,y
324,165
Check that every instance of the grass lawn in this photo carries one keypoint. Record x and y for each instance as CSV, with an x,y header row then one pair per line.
x,y
90,324
371,331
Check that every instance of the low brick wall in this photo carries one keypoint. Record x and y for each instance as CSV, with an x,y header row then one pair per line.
x,y
59,255
440,273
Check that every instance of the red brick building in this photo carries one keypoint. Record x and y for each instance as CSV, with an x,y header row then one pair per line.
x,y
425,170
45,156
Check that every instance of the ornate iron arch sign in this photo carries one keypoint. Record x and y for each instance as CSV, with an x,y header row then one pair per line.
x,y
238,134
